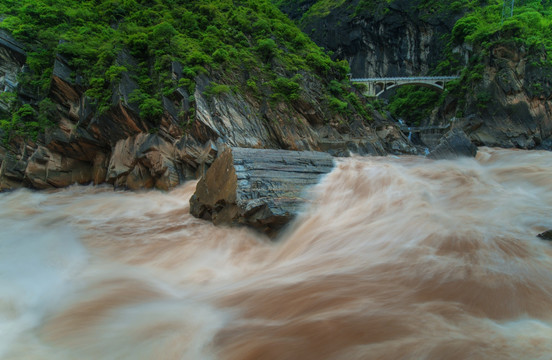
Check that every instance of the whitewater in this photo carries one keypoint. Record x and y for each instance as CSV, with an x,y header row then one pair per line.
x,y
392,258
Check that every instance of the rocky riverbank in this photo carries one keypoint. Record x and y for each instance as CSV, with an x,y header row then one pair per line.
x,y
122,147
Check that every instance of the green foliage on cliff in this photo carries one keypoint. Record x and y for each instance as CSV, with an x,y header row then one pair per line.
x,y
316,9
530,24
484,25
529,27
324,7
204,36
27,121
477,27
413,104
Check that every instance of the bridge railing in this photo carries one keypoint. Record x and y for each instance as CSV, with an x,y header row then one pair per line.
x,y
416,78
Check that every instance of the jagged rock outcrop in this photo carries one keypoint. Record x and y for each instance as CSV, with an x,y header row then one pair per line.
x,y
46,169
511,106
547,235
148,160
398,38
257,187
13,165
453,144
119,146
86,147
246,122
12,61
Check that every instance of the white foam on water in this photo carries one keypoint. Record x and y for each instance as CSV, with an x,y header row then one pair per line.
x,y
395,258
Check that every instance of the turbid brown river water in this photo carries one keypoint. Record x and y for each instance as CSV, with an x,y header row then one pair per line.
x,y
394,258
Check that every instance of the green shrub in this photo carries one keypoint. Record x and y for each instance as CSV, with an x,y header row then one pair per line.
x,y
335,87
413,104
220,55
215,89
285,88
337,105
114,72
319,61
252,85
266,48
151,108
27,123
357,104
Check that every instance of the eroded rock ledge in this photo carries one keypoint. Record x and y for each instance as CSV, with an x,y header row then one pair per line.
x,y
260,188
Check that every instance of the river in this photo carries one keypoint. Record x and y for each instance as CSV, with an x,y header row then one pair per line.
x,y
394,258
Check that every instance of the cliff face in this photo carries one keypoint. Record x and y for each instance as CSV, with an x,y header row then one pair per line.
x,y
122,147
507,106
401,38
511,105
12,59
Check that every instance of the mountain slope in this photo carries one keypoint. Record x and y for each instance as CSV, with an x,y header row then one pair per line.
x,y
503,58
103,78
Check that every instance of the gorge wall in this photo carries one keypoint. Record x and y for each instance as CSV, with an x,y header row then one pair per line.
x,y
511,105
507,103
121,146
398,38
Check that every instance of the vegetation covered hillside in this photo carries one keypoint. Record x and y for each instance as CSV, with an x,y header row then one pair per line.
x,y
465,33
491,29
477,43
221,38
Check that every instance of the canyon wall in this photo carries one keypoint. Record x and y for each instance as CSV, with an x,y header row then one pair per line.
x,y
121,146
509,105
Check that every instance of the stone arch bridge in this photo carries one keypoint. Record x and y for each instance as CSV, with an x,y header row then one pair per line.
x,y
376,86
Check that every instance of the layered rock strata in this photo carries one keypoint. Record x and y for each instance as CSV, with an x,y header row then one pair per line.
x,y
512,104
120,146
397,38
260,188
509,106
453,144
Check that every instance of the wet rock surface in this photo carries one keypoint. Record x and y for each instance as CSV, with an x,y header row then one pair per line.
x,y
511,106
547,235
454,144
260,188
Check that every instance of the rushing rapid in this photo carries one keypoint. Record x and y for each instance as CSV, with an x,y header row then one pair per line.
x,y
394,258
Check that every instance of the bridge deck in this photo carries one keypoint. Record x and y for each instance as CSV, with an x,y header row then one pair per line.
x,y
377,86
414,78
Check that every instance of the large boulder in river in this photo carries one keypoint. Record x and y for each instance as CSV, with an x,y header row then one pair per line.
x,y
547,235
257,187
454,144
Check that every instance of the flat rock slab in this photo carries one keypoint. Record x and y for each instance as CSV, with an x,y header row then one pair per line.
x,y
261,188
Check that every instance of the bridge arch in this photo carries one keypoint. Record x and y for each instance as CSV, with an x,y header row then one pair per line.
x,y
377,86
436,86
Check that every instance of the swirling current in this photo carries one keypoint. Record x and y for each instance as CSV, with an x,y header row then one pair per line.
x,y
392,258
